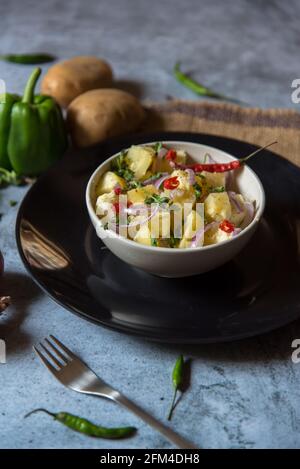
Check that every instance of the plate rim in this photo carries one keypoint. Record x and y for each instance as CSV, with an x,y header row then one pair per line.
x,y
131,331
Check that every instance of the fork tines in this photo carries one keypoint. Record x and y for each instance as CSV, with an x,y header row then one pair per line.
x,y
53,353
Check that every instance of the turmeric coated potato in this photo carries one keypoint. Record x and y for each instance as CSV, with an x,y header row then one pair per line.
x,y
98,114
66,80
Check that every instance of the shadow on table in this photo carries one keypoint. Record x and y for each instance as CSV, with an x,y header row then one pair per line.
x,y
132,87
22,291
271,347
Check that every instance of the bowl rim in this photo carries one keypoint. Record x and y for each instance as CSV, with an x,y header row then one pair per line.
x,y
116,236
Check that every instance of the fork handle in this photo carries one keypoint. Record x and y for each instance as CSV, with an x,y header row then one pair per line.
x,y
176,439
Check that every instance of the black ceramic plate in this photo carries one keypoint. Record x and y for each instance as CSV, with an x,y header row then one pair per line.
x,y
256,292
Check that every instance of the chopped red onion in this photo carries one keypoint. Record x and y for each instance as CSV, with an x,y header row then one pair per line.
x,y
191,175
209,159
162,152
249,214
236,231
152,213
154,180
233,198
200,233
159,182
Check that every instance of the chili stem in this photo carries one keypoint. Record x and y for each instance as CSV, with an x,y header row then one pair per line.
x,y
30,85
257,151
40,410
172,405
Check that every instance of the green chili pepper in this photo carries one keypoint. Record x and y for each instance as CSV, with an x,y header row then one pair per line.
x,y
28,59
198,88
86,427
10,177
177,377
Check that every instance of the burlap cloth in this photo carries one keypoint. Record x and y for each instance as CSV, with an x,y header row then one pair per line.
x,y
253,125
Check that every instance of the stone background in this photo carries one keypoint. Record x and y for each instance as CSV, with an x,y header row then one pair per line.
x,y
244,394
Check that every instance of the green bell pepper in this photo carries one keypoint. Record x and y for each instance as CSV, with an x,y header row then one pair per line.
x,y
32,131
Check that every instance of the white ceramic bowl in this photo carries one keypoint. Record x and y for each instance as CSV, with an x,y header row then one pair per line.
x,y
167,262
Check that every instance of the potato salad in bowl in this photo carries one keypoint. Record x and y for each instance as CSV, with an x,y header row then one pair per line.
x,y
175,208
152,195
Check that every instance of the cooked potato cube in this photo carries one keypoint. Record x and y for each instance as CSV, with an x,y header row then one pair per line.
x,y
214,179
184,193
104,203
217,206
143,235
193,223
138,195
139,159
216,235
107,183
160,225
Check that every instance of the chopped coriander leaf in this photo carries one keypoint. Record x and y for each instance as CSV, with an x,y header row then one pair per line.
x,y
157,147
154,242
119,162
13,203
198,190
217,189
201,175
105,227
119,166
154,177
156,199
173,242
127,174
133,184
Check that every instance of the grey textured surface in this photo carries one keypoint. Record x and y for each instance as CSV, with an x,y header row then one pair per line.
x,y
243,394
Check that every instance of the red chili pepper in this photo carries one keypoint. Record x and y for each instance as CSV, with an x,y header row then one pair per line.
x,y
171,155
171,183
222,167
117,206
227,226
118,190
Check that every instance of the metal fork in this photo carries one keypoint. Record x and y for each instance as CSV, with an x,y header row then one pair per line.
x,y
75,374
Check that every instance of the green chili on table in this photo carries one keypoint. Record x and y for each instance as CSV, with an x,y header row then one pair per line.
x,y
86,427
28,59
177,378
197,87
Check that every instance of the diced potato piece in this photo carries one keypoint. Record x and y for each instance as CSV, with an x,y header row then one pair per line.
x,y
210,235
139,159
107,183
214,179
143,235
138,195
216,235
184,193
104,202
217,206
193,223
160,225
181,156
237,216
182,177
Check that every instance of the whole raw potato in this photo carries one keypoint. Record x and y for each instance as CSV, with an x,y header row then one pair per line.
x,y
70,78
98,114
